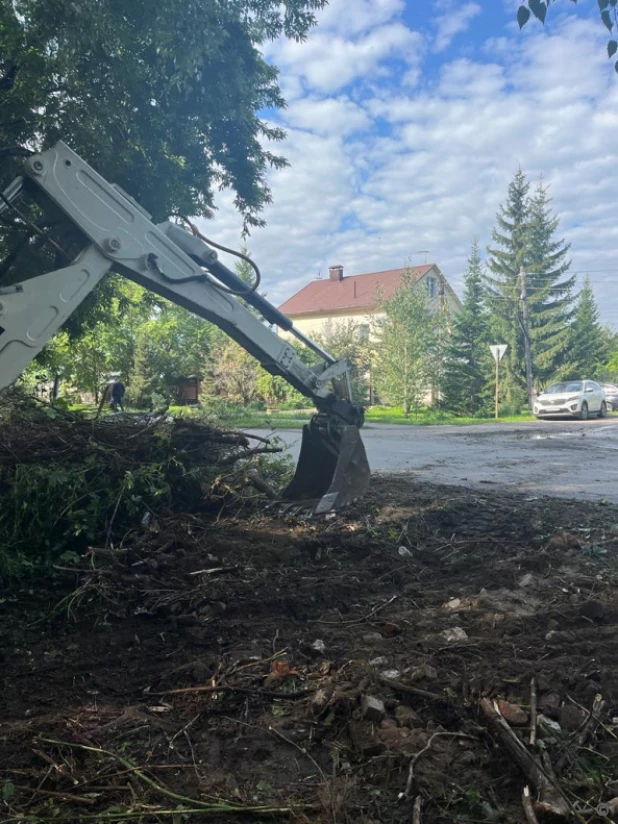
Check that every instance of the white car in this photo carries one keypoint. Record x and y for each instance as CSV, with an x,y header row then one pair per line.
x,y
577,399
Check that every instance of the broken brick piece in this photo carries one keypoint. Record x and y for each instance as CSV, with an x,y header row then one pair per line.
x,y
372,708
513,714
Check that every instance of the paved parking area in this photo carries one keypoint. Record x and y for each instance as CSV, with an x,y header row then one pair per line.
x,y
571,459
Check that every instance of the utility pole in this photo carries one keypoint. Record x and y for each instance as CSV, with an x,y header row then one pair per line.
x,y
525,318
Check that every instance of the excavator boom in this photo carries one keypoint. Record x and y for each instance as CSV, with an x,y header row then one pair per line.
x,y
117,234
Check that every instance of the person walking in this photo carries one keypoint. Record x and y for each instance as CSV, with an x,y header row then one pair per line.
x,y
118,391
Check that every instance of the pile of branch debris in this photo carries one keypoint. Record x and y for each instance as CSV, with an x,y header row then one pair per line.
x,y
67,481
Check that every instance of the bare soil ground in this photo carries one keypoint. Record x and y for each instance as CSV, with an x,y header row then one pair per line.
x,y
319,670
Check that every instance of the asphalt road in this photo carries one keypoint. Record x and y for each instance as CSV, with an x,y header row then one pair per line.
x,y
570,459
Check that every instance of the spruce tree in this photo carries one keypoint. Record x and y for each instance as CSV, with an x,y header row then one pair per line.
x,y
469,361
589,344
503,285
524,238
550,296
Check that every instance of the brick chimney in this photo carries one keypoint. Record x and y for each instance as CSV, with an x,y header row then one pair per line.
x,y
335,272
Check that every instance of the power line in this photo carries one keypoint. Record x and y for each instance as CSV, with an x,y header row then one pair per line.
x,y
539,283
572,272
575,273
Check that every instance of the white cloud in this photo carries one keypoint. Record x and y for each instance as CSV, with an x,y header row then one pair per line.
x,y
382,171
352,17
338,116
328,61
455,20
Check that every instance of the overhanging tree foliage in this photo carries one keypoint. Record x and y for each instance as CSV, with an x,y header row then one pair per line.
x,y
160,97
608,10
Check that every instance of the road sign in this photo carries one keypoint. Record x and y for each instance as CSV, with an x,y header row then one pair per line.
x,y
498,351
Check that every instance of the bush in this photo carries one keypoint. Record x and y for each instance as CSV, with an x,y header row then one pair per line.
x,y
299,402
220,409
512,409
68,483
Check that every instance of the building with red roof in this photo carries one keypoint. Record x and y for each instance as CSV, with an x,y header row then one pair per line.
x,y
357,298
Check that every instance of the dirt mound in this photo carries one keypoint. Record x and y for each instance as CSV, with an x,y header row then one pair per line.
x,y
332,671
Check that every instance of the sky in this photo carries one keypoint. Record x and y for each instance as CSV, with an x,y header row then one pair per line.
x,y
406,120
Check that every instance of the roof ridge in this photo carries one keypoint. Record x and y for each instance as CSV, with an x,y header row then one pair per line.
x,y
394,269
351,292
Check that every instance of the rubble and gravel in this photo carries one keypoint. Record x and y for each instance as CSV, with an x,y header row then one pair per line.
x,y
182,669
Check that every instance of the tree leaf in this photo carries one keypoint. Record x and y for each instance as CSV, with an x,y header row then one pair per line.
x,y
603,4
523,15
538,9
605,17
612,48
616,65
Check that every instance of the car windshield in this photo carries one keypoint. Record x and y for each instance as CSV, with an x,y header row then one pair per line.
x,y
565,386
609,387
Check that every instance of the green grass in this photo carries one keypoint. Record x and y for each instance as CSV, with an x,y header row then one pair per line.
x,y
295,418
433,417
377,414
254,419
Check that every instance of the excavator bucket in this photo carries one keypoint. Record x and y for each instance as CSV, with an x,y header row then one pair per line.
x,y
332,470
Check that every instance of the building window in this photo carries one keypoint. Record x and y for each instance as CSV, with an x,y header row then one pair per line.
x,y
362,333
432,287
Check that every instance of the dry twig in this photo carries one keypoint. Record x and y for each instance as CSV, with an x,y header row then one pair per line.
x,y
369,615
409,690
193,804
209,688
587,730
526,802
532,712
551,799
426,748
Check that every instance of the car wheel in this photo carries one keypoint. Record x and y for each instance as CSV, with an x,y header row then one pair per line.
x,y
603,410
583,412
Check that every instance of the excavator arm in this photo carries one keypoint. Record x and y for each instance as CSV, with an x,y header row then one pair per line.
x,y
118,235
